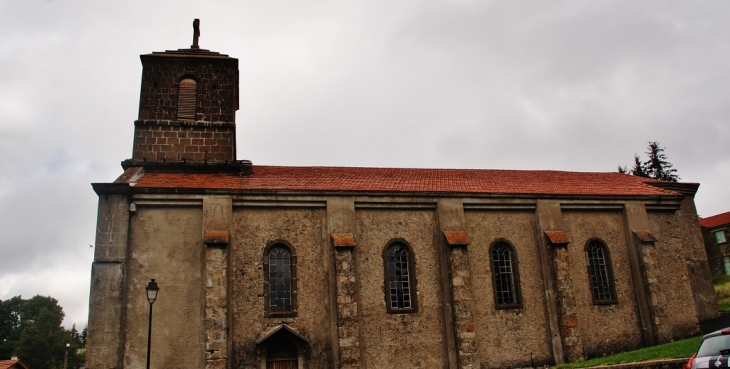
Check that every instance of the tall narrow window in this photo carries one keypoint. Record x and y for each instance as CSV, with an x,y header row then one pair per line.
x,y
186,99
400,286
505,277
279,270
600,274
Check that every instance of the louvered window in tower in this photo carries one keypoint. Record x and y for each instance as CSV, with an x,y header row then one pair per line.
x,y
186,99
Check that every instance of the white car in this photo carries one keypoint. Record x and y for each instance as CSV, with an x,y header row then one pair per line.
x,y
714,351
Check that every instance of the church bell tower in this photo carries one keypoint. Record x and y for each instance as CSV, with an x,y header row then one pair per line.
x,y
187,110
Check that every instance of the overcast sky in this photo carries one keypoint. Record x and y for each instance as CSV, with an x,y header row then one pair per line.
x,y
565,85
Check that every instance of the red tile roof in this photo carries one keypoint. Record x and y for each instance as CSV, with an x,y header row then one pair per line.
x,y
356,179
12,364
715,220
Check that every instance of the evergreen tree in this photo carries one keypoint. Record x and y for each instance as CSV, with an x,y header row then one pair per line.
x,y
639,168
658,166
84,332
75,335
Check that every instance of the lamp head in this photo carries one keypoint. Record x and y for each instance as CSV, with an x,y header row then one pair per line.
x,y
152,290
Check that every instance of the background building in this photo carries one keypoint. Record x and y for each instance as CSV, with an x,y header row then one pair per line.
x,y
716,233
13,363
322,267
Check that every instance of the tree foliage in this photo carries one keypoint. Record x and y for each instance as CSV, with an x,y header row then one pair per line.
x,y
657,165
31,329
10,327
639,168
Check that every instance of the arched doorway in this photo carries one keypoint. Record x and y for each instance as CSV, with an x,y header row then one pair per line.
x,y
281,347
281,353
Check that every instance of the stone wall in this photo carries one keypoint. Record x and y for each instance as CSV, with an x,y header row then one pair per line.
x,y
305,230
165,244
568,312
106,298
671,299
181,141
160,135
207,253
348,327
413,340
522,338
699,271
217,213
217,86
597,323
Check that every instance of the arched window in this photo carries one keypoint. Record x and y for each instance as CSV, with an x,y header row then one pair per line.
x,y
279,272
505,276
186,99
600,273
400,281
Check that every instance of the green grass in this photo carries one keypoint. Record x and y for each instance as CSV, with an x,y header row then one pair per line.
x,y
672,350
722,291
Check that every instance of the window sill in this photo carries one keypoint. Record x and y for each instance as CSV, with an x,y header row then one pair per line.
x,y
402,311
284,314
508,306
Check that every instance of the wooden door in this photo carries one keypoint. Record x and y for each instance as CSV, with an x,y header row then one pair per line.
x,y
281,363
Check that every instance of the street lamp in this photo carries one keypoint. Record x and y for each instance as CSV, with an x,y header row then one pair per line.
x,y
65,356
152,290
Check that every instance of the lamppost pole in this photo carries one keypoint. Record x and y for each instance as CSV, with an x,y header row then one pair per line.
x,y
152,290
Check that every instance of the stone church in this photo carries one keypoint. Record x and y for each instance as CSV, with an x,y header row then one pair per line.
x,y
277,267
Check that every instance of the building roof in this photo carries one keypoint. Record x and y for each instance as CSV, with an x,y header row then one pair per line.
x,y
12,364
389,180
715,220
189,53
281,327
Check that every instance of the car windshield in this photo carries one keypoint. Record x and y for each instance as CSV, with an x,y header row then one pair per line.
x,y
713,345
